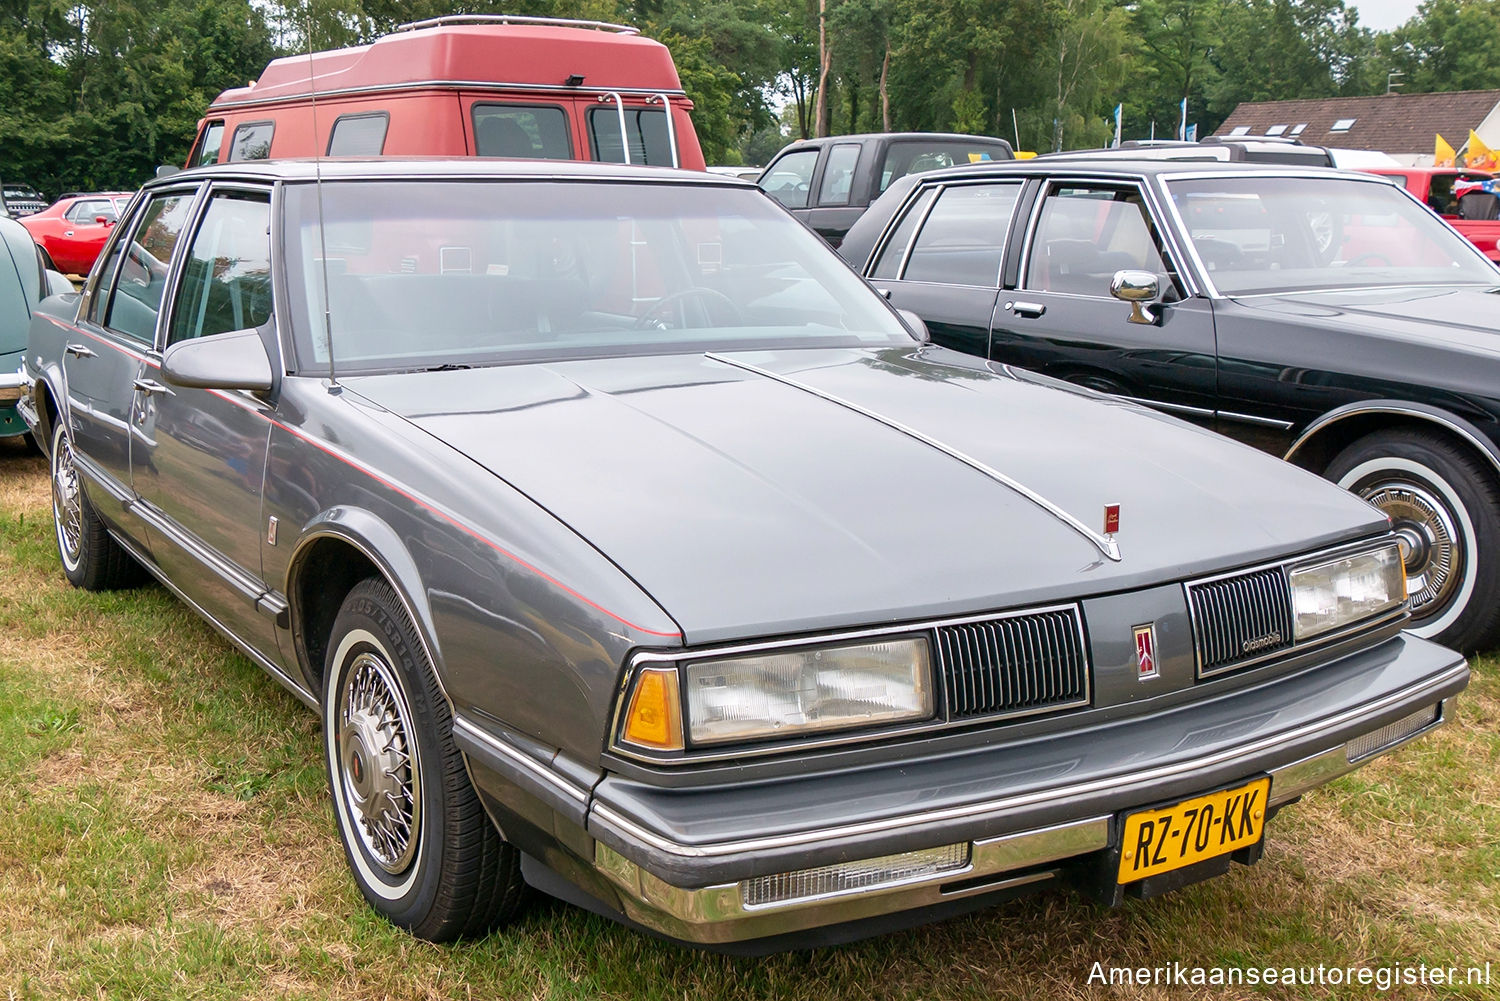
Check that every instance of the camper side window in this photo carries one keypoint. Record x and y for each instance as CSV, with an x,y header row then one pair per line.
x,y
359,135
527,132
645,131
252,141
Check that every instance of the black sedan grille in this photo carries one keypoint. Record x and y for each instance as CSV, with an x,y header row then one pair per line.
x,y
1014,665
1239,619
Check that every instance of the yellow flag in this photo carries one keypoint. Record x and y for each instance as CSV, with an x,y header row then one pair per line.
x,y
1443,155
1479,155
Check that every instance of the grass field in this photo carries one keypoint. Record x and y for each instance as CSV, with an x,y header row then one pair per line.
x,y
167,834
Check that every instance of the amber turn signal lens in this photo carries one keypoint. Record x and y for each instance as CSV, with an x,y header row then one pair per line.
x,y
654,717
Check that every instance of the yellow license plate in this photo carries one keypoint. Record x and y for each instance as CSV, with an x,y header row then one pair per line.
x,y
1157,841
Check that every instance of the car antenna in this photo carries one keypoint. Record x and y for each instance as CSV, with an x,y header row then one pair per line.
x,y
312,92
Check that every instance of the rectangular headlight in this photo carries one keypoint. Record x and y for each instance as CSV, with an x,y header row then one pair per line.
x,y
1340,592
797,691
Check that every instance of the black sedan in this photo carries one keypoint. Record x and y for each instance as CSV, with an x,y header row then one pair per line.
x,y
1326,317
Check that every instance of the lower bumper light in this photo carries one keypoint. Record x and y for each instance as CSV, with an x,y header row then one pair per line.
x,y
1392,733
849,877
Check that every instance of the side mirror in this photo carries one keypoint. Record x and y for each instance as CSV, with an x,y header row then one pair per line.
x,y
104,220
236,360
1137,288
915,325
167,170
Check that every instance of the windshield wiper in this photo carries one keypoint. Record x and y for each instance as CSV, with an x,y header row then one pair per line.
x,y
447,367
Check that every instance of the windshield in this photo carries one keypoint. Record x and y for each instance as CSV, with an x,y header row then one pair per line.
x,y
423,274
1277,234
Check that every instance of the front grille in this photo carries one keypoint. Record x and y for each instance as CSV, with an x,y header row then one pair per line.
x,y
1241,618
1013,665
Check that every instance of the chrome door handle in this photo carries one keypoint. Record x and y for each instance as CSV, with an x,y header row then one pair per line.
x,y
150,386
79,351
1031,309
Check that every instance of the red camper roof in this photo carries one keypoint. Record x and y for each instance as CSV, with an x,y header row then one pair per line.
x,y
484,53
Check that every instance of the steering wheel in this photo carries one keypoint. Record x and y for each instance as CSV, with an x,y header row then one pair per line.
x,y
1218,254
649,319
1370,257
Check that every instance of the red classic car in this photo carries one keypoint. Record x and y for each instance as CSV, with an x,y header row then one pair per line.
x,y
1460,196
70,230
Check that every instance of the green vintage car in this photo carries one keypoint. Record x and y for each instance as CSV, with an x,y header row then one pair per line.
x,y
24,282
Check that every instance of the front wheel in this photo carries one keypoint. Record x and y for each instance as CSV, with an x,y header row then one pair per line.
x,y
415,835
1444,506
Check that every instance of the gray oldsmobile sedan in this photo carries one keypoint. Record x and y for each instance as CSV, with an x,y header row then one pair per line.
x,y
632,548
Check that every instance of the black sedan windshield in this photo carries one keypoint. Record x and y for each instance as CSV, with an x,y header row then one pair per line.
x,y
425,274
1259,234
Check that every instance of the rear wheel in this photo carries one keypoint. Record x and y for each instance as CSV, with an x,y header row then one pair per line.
x,y
1445,508
415,835
91,558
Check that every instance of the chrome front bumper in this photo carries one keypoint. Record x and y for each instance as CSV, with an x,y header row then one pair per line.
x,y
14,386
723,913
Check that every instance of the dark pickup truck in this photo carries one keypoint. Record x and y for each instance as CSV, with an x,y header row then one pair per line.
x,y
828,183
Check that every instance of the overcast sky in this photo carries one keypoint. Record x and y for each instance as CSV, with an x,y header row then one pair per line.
x,y
1383,15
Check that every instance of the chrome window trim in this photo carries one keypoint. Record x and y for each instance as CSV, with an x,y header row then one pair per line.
x,y
937,192
935,724
1287,566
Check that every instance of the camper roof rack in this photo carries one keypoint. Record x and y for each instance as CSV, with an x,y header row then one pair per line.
x,y
556,22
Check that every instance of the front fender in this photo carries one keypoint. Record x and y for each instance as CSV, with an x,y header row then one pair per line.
x,y
383,547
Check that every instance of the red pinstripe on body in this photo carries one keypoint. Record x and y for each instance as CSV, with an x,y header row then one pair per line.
x,y
356,464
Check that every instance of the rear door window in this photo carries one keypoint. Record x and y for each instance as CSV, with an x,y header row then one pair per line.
x,y
889,265
963,240
252,141
359,135
527,132
838,174
789,180
141,277
645,130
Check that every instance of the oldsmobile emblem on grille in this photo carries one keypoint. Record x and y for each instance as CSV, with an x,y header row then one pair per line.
x,y
1145,652
1261,642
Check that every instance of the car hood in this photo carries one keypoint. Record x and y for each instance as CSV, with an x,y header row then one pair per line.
x,y
812,489
1461,318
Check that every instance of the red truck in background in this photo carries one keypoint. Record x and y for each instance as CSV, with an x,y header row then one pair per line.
x,y
1460,196
465,85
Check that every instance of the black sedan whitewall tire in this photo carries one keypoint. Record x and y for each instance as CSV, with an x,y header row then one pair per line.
x,y
416,837
91,558
1445,508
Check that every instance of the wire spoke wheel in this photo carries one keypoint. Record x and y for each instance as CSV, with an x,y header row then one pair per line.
x,y
378,762
67,502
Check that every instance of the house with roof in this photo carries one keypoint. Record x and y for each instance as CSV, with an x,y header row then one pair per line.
x,y
1400,125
